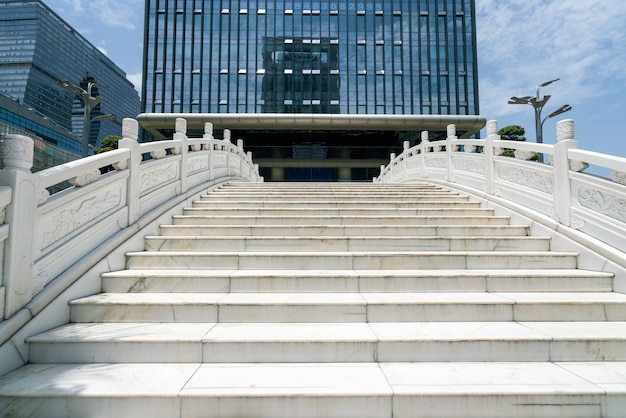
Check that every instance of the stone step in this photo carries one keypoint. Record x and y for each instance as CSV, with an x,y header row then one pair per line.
x,y
314,203
207,218
345,230
365,281
330,343
348,307
354,192
365,260
347,198
311,390
344,243
465,209
363,188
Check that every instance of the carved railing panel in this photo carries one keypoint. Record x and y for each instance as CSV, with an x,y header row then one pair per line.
x,y
109,192
559,189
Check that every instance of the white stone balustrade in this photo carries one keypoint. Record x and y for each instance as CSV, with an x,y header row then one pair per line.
x,y
53,234
559,191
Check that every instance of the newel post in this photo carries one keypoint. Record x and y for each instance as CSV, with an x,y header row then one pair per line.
x,y
18,151
208,136
241,156
130,134
562,187
451,136
406,145
490,168
227,148
180,134
425,149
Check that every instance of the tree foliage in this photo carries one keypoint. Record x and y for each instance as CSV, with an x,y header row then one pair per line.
x,y
108,144
512,133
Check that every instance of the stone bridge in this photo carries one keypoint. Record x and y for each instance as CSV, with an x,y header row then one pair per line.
x,y
332,254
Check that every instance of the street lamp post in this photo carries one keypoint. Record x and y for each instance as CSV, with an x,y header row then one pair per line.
x,y
538,103
89,103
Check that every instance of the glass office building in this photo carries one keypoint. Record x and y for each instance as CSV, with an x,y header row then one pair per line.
x,y
38,49
247,57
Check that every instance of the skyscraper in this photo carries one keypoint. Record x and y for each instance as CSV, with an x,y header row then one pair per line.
x,y
37,50
390,64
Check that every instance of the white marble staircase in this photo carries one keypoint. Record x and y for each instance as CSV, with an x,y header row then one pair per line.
x,y
335,300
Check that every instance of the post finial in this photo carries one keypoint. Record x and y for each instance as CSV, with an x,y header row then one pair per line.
x,y
565,129
130,129
18,152
492,127
208,128
181,126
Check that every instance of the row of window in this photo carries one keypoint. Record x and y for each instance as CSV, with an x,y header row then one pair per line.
x,y
313,12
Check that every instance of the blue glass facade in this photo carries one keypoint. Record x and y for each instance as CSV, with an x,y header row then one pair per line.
x,y
324,56
37,49
371,58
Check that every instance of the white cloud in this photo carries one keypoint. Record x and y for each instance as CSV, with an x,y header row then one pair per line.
x,y
109,13
522,43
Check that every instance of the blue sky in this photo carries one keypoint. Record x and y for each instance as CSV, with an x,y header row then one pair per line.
x,y
521,43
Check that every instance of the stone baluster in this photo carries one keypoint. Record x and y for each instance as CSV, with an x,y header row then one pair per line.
x,y
181,135
18,151
241,155
564,131
227,136
130,135
425,149
208,136
489,152
450,148
405,152
562,190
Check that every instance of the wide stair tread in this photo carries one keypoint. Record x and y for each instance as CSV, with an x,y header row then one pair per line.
x,y
350,307
242,342
365,281
310,390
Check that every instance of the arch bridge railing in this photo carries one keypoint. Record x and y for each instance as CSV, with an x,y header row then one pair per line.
x,y
44,235
558,191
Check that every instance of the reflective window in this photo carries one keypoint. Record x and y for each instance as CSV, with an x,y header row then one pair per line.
x,y
329,56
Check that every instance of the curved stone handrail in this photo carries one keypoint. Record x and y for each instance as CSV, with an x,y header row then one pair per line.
x,y
589,208
48,239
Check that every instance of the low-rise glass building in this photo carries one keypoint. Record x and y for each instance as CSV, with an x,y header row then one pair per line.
x,y
37,50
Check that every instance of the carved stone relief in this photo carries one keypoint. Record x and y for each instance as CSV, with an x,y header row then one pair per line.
x,y
71,219
219,160
195,164
469,165
436,162
158,176
602,202
526,178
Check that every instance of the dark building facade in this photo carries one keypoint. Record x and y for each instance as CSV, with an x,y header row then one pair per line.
x,y
37,50
247,57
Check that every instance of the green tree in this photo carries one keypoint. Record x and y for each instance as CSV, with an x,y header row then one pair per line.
x,y
512,133
108,144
